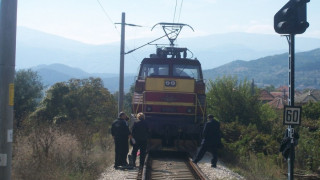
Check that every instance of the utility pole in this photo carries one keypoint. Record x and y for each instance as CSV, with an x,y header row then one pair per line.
x,y
122,53
8,27
121,76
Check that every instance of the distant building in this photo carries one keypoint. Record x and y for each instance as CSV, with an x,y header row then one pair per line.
x,y
310,96
265,96
280,98
278,103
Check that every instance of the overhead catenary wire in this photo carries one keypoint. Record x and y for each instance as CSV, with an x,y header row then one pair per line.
x,y
107,15
180,11
114,24
175,10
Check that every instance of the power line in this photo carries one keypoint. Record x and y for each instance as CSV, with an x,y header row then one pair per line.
x,y
180,10
105,12
175,9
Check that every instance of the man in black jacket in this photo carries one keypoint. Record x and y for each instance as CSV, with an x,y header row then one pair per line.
x,y
139,139
211,141
120,132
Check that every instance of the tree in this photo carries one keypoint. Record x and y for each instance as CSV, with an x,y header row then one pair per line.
x,y
28,92
311,110
128,100
84,100
230,100
270,88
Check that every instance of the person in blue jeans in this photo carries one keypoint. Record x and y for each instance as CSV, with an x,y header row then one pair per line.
x,y
211,141
139,139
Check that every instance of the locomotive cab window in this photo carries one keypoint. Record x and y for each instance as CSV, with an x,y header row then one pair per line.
x,y
188,71
154,70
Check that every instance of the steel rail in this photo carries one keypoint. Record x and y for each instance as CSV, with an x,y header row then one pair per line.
x,y
170,165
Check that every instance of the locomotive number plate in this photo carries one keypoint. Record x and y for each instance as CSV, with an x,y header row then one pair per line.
x,y
170,83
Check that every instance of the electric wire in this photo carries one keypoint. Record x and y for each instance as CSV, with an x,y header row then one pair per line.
x,y
105,12
180,11
175,10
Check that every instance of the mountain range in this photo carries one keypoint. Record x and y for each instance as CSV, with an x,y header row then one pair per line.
x,y
273,70
58,59
53,73
269,70
35,48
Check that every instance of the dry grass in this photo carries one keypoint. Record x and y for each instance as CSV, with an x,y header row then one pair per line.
x,y
49,153
259,167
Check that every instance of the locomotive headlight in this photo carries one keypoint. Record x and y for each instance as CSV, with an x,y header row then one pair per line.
x,y
189,110
149,108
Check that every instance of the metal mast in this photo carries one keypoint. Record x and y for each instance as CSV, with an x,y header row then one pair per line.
x,y
8,26
121,76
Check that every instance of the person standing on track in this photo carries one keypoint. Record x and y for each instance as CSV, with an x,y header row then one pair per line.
x,y
120,133
211,141
139,139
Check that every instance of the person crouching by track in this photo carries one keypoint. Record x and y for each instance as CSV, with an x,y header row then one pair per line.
x,y
120,132
139,140
211,141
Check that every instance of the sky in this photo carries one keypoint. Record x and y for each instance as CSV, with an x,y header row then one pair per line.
x,y
92,21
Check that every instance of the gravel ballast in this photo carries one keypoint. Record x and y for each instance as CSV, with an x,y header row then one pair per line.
x,y
219,173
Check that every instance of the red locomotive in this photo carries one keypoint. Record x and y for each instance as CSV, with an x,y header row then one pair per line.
x,y
170,91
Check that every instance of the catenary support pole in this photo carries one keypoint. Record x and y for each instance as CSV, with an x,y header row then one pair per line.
x,y
121,76
8,26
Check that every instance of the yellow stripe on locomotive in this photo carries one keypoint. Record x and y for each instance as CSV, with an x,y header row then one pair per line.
x,y
170,84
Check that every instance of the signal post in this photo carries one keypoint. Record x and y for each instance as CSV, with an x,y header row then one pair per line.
x,y
290,20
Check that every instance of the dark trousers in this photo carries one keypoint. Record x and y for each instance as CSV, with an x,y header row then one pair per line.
x,y
203,149
142,146
121,151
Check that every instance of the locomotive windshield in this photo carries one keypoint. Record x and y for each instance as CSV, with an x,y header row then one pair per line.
x,y
154,70
190,71
174,70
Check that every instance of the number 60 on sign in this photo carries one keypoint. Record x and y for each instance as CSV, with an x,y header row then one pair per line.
x,y
292,115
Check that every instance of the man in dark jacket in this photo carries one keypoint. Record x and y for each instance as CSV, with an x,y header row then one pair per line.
x,y
211,141
120,132
139,139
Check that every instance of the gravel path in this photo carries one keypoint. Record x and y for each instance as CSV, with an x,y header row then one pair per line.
x,y
219,173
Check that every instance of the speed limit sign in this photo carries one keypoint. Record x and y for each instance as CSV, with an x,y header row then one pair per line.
x,y
292,115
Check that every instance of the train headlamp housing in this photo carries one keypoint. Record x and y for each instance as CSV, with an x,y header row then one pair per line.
x,y
149,108
139,87
200,88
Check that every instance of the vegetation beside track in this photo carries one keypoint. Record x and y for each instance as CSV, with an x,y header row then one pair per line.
x,y
64,132
252,131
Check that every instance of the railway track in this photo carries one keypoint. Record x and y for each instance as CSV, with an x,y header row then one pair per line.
x,y
170,165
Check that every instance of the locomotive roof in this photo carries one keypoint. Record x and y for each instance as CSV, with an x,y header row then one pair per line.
x,y
170,61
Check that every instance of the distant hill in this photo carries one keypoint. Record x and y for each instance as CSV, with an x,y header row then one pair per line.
x,y
35,48
273,70
51,74
270,70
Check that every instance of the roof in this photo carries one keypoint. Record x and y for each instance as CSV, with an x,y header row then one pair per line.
x,y
278,103
281,88
265,96
307,97
280,94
